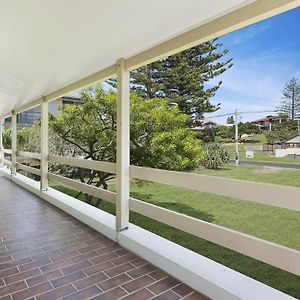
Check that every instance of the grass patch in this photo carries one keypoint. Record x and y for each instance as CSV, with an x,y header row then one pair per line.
x,y
289,177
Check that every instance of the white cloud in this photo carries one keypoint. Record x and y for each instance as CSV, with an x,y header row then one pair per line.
x,y
246,34
253,84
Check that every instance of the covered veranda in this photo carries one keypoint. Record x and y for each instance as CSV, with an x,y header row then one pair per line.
x,y
52,245
47,254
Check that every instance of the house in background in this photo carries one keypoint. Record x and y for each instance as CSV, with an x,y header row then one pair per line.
x,y
27,118
205,125
267,122
290,148
293,143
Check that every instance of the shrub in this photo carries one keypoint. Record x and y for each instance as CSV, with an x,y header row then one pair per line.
x,y
215,156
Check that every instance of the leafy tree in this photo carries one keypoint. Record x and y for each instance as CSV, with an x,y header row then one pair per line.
x,y
290,104
247,128
230,120
184,78
207,135
282,132
215,156
6,138
22,137
158,134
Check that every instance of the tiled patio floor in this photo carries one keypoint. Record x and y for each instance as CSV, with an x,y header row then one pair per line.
x,y
47,254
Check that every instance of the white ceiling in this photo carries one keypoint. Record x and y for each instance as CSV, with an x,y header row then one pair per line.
x,y
48,44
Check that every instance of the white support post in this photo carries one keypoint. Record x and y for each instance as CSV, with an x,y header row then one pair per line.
x,y
236,122
13,143
1,143
123,147
44,143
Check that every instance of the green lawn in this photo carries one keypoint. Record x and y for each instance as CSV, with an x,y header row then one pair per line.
x,y
274,224
279,176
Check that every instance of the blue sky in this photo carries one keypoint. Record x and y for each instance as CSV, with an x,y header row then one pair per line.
x,y
266,55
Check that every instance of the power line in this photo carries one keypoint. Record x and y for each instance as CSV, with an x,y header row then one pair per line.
x,y
243,112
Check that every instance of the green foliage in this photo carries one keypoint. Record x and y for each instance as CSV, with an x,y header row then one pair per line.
x,y
6,138
230,120
23,135
215,156
290,105
282,132
248,128
226,134
208,135
183,78
158,135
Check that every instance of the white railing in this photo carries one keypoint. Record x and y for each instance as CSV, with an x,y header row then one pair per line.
x,y
29,169
259,249
29,154
262,193
7,151
84,188
6,162
21,166
84,163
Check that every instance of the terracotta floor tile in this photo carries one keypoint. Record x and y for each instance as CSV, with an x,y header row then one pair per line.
x,y
169,295
163,285
113,294
138,283
32,291
90,280
84,294
46,254
22,275
142,294
57,293
113,282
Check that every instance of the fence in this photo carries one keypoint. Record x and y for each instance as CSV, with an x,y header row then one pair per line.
x,y
280,196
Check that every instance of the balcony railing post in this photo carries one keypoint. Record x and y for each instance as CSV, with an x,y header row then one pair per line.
x,y
123,147
13,143
1,143
44,143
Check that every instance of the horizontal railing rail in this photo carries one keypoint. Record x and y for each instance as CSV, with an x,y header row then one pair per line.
x,y
84,188
29,154
29,169
7,162
263,193
271,253
84,163
7,151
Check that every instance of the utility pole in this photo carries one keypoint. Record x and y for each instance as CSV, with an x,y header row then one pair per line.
x,y
236,122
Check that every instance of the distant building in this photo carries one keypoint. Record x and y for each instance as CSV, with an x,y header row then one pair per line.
x,y
267,122
205,125
293,143
27,118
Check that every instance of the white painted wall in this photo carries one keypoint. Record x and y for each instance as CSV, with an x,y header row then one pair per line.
x,y
285,152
